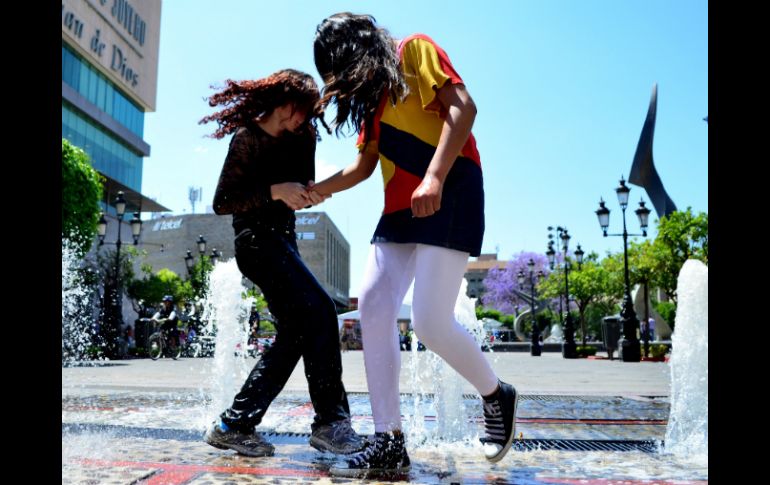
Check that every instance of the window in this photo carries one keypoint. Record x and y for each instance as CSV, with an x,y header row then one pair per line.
x,y
102,92
107,154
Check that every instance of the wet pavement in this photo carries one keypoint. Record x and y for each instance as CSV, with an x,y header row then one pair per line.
x,y
127,424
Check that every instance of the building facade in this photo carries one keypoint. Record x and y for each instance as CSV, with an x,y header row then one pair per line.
x,y
109,81
321,245
476,271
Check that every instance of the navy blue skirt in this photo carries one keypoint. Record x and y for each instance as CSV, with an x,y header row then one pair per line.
x,y
459,224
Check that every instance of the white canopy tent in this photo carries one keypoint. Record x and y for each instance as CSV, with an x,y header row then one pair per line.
x,y
404,314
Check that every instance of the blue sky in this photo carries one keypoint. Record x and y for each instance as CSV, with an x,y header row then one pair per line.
x,y
562,90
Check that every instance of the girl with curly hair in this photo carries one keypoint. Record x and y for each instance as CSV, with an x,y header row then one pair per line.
x,y
412,112
265,178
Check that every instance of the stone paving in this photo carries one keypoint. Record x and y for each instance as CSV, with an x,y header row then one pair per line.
x,y
141,430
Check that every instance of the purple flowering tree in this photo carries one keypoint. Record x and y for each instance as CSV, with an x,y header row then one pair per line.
x,y
500,283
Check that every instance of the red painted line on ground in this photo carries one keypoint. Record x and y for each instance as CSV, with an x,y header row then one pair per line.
x,y
176,477
609,481
172,474
197,469
304,410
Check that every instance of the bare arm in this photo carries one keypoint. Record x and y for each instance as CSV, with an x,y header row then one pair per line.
x,y
349,176
461,112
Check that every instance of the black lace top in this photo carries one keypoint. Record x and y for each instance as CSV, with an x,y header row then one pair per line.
x,y
255,161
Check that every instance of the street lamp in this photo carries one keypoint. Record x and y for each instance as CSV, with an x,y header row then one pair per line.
x,y
551,254
189,259
568,348
579,253
201,245
629,345
535,348
115,316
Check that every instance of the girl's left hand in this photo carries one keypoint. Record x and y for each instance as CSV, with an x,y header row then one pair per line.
x,y
426,198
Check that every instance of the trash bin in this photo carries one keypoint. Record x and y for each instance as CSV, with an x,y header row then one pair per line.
x,y
611,333
142,331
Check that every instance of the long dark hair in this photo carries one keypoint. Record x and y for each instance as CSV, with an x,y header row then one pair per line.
x,y
359,63
246,100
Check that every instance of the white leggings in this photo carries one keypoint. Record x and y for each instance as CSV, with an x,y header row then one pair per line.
x,y
437,273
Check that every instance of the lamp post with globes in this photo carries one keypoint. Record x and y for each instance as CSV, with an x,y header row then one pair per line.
x,y
629,345
113,298
197,274
569,347
189,259
535,349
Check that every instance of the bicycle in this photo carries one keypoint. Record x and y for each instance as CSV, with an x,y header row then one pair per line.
x,y
160,343
198,346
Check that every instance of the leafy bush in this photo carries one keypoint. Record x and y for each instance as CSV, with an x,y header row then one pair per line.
x,y
586,351
658,350
667,311
81,193
137,352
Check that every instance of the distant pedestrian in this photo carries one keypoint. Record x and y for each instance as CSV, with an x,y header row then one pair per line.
x,y
651,328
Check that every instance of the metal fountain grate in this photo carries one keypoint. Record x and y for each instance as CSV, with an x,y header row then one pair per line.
x,y
645,446
585,445
522,397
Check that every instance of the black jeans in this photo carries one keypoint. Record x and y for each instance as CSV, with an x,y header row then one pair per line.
x,y
306,326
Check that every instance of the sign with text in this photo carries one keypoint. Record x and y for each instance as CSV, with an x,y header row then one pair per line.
x,y
121,37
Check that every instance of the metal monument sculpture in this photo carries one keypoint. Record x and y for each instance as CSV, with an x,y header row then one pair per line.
x,y
643,171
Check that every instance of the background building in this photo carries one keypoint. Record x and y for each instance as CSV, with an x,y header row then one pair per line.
x,y
327,253
477,270
321,245
109,81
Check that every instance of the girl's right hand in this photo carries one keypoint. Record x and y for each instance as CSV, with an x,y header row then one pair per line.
x,y
315,197
292,194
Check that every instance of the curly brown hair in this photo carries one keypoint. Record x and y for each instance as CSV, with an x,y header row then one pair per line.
x,y
245,101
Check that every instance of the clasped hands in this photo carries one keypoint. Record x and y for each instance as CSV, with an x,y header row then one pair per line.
x,y
297,196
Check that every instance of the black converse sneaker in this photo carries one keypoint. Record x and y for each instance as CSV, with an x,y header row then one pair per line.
x,y
384,453
499,421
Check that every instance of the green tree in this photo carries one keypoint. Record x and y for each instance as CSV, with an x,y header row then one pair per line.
x,y
488,313
640,258
587,284
115,274
199,277
596,312
614,267
147,293
266,325
590,285
81,193
259,298
681,236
